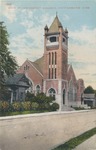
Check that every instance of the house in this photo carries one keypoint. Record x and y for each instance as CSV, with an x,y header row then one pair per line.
x,y
51,73
89,99
17,84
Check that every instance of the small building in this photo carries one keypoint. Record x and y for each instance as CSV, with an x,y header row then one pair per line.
x,y
89,99
18,84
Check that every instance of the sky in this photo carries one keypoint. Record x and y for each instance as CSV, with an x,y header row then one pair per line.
x,y
25,21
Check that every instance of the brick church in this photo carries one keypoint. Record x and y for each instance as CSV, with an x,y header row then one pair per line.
x,y
51,73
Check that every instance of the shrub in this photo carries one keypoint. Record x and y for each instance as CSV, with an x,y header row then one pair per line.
x,y
78,108
16,106
26,105
34,106
42,107
29,97
4,106
47,106
54,107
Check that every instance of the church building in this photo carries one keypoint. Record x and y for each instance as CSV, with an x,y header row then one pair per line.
x,y
51,74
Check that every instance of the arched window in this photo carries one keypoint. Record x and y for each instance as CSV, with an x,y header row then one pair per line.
x,y
53,39
52,93
52,73
49,58
26,67
55,73
55,58
49,73
52,58
38,89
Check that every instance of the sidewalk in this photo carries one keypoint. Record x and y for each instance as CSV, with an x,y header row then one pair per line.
x,y
89,144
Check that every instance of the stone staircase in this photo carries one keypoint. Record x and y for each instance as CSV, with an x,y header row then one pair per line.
x,y
67,108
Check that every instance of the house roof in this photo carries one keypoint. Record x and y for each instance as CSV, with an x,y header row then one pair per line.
x,y
14,80
55,25
89,95
71,74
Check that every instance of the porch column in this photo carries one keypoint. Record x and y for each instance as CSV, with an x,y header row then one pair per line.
x,y
11,96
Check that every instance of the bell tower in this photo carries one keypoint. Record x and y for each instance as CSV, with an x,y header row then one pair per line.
x,y
55,51
55,59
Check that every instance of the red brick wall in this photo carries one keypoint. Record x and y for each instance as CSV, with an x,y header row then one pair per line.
x,y
52,84
32,73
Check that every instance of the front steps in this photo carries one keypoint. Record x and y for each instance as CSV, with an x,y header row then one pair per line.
x,y
67,108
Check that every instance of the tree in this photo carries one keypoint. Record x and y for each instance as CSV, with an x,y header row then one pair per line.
x,y
95,92
89,90
8,64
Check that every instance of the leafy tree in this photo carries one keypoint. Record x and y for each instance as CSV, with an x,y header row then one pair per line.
x,y
8,64
30,97
89,90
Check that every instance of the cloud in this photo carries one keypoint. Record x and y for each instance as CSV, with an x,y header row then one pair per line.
x,y
84,36
84,49
82,44
23,49
84,74
66,17
94,74
9,11
31,43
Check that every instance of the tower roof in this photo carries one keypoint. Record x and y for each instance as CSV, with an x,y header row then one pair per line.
x,y
55,25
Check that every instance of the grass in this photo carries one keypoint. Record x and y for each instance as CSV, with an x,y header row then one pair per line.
x,y
19,113
72,143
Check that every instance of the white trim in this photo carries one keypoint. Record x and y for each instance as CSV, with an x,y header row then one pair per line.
x,y
51,79
35,68
64,80
57,80
44,86
53,36
52,44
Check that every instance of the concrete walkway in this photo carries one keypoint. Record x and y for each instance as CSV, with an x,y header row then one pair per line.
x,y
89,144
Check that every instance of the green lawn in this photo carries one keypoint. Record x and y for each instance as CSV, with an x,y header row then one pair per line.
x,y
20,113
72,143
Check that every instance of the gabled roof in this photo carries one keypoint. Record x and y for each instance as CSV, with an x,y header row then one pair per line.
x,y
14,80
39,64
71,74
55,25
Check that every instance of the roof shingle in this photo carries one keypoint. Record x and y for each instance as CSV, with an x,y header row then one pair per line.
x,y
55,25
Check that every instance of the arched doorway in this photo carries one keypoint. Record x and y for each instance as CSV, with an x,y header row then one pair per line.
x,y
38,89
52,93
64,96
